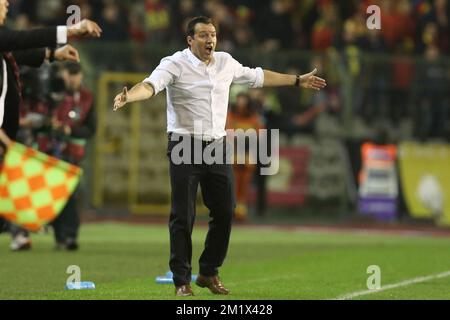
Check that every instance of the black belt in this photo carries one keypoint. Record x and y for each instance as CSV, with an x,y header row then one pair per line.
x,y
204,141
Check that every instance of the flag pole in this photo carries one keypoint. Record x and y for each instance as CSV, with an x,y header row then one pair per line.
x,y
5,139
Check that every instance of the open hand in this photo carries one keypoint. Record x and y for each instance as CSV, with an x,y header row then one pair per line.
x,y
121,99
85,28
310,81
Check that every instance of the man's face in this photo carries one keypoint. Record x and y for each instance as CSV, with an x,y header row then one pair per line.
x,y
72,81
3,11
204,41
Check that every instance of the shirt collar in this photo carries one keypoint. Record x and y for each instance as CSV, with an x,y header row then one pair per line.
x,y
194,60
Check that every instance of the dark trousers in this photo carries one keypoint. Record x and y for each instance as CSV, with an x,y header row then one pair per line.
x,y
3,225
15,230
67,224
217,187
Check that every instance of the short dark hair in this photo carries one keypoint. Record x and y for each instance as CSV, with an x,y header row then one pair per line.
x,y
72,67
190,30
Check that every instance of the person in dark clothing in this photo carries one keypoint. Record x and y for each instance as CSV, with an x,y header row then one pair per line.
x,y
32,48
198,81
433,103
73,123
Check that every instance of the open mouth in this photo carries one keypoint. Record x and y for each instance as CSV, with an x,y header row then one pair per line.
x,y
209,49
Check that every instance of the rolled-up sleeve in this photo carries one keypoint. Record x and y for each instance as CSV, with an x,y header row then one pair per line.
x,y
254,77
164,75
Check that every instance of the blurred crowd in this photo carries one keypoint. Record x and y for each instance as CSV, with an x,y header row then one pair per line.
x,y
408,26
397,76
398,73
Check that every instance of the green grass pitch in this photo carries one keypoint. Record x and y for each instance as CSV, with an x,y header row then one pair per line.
x,y
263,263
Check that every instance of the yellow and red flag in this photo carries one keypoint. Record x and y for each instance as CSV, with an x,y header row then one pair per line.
x,y
34,187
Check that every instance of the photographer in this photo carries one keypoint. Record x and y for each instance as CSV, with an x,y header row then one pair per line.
x,y
31,48
73,123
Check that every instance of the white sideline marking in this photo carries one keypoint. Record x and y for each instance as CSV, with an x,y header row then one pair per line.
x,y
394,285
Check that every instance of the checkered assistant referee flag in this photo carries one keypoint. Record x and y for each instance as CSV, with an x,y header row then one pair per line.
x,y
34,187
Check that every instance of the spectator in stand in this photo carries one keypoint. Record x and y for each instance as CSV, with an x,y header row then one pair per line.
x,y
182,11
312,24
350,59
224,20
433,116
325,27
434,25
114,22
278,33
243,36
398,23
157,19
136,18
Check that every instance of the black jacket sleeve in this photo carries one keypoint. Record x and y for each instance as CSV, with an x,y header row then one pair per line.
x,y
32,58
12,40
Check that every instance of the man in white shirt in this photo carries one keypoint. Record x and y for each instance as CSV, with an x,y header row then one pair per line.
x,y
198,81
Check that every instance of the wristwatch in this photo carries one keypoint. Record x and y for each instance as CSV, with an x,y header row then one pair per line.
x,y
297,81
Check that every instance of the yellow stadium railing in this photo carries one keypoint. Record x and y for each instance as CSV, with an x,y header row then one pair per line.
x,y
125,145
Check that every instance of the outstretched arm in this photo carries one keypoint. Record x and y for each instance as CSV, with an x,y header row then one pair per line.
x,y
35,57
165,74
308,80
13,40
141,91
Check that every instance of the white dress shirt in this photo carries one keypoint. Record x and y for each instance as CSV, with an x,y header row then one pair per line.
x,y
199,92
61,34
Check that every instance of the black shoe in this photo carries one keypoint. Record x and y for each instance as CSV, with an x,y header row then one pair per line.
x,y
72,245
69,245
